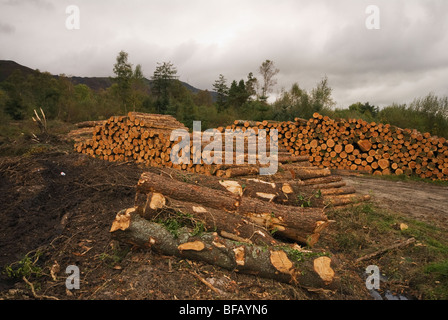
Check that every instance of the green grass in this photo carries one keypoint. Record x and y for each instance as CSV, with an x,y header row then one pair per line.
x,y
16,137
27,267
421,268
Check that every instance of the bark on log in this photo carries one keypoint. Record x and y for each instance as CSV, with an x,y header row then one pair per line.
x,y
286,193
155,205
304,173
270,262
300,224
345,199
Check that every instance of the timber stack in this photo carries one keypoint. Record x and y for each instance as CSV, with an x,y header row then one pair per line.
x,y
358,145
238,224
231,216
145,139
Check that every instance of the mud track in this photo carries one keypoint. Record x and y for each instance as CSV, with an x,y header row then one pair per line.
x,y
414,199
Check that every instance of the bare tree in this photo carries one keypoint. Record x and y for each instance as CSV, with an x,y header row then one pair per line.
x,y
268,72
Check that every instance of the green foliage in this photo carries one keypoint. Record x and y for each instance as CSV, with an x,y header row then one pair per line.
x,y
426,114
298,102
301,255
306,201
174,221
245,99
222,91
27,267
163,80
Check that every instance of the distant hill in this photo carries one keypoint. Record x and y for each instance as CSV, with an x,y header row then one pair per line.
x,y
7,67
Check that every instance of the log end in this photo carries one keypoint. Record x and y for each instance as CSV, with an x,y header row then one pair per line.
x,y
281,262
122,220
322,267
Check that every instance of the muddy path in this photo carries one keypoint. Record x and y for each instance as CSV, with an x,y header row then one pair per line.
x,y
417,200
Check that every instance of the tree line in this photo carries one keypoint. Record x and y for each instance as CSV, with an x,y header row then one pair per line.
x,y
245,99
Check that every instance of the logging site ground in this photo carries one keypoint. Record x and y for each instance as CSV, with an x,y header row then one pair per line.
x,y
57,207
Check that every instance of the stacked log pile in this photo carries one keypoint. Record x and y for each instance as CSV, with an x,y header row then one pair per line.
x,y
380,149
230,215
355,144
145,138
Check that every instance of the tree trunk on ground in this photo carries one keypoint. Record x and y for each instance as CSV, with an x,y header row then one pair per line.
x,y
228,225
286,193
280,263
300,224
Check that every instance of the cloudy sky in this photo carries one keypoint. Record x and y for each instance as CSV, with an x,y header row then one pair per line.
x,y
407,57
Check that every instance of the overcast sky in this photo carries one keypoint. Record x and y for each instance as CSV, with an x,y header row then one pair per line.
x,y
406,58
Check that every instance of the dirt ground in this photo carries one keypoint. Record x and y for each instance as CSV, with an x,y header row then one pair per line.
x,y
418,200
61,205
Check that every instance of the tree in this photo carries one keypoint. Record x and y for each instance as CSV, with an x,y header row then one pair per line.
x,y
321,96
203,98
163,78
222,91
138,88
123,72
293,103
298,102
251,85
364,109
268,72
238,94
15,89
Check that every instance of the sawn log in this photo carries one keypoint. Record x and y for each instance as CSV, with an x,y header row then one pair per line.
x,y
280,263
299,224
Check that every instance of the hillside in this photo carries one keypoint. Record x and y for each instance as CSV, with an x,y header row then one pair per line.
x,y
7,67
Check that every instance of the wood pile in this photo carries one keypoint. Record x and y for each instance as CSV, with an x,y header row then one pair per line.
x,y
145,139
224,214
139,137
237,224
286,263
368,147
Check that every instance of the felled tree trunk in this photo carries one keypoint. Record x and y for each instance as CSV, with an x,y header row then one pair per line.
x,y
286,193
291,266
300,224
227,225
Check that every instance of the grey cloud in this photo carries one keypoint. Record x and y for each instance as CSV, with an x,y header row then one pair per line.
x,y
306,39
44,4
7,28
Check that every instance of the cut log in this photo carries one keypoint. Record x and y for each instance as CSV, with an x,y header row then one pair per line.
x,y
279,263
300,224
364,145
157,206
286,193
304,173
345,199
88,124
